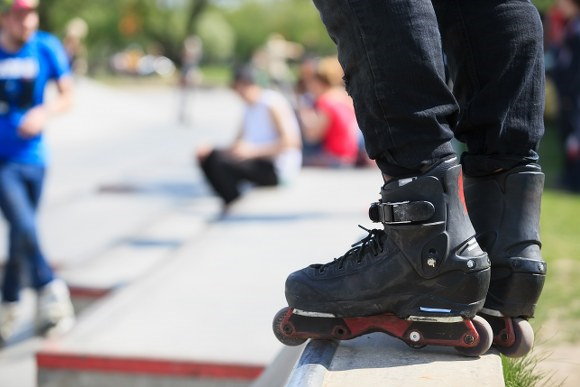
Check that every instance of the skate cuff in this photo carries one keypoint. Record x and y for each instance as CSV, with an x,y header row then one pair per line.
x,y
401,212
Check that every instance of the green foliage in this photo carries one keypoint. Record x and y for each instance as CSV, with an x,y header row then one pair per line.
x,y
245,24
114,25
296,20
543,5
218,37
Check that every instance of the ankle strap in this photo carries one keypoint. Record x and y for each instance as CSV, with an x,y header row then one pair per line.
x,y
401,212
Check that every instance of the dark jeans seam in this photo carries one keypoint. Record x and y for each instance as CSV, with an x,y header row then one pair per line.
x,y
373,75
472,65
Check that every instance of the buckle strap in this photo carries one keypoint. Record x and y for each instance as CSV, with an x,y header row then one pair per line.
x,y
401,212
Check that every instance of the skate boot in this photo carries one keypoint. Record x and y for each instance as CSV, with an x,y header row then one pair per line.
x,y
505,211
9,314
422,279
55,314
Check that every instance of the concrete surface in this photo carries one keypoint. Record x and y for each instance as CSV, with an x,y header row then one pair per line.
x,y
381,360
122,194
214,301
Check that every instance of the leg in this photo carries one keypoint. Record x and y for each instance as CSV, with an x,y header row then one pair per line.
x,y
495,54
225,173
41,274
18,206
258,171
215,169
496,62
392,58
425,264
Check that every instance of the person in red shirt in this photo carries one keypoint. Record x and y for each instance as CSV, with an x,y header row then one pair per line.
x,y
331,122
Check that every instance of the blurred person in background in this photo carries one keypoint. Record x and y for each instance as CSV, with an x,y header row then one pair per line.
x,y
329,126
76,31
565,72
272,58
266,151
189,76
29,59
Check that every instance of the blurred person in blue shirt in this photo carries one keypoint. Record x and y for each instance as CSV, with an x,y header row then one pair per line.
x,y
29,59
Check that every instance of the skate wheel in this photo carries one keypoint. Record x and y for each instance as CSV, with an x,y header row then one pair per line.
x,y
524,339
282,336
485,339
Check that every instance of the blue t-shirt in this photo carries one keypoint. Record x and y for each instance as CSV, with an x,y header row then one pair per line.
x,y
23,78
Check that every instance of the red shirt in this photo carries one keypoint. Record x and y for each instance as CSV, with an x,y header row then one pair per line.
x,y
340,138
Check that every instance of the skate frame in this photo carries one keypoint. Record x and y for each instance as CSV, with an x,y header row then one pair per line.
x,y
416,331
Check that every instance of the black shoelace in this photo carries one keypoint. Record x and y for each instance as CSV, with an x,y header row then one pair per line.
x,y
371,242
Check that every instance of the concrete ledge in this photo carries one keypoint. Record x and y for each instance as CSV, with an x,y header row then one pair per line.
x,y
311,368
380,360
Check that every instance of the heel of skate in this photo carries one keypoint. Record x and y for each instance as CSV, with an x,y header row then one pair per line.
x,y
513,337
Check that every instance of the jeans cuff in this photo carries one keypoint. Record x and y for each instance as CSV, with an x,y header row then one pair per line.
x,y
485,165
410,161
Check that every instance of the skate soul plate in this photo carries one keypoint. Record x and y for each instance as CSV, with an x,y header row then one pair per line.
x,y
469,337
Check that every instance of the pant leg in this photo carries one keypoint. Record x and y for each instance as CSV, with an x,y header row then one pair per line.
x,y
19,196
495,56
391,54
258,171
41,272
225,174
219,176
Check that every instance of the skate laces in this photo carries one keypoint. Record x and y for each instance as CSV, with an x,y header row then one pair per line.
x,y
371,242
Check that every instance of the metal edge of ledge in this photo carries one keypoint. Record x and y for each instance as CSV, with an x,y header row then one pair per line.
x,y
313,364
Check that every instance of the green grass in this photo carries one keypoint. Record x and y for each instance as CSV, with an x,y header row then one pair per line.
x,y
523,372
558,311
560,233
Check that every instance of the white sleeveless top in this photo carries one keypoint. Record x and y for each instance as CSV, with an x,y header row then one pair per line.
x,y
259,129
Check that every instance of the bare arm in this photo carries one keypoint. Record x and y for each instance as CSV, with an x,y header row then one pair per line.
x,y
36,118
315,123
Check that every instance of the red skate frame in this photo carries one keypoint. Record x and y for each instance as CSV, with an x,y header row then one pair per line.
x,y
460,333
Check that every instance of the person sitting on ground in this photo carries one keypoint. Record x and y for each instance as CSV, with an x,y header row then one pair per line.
x,y
329,127
266,151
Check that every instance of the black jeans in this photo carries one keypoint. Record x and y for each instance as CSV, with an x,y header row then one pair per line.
x,y
392,55
225,173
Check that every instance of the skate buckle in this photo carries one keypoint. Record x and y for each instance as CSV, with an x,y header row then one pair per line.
x,y
401,212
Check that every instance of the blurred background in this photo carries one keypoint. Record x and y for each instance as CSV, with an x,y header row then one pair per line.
x,y
170,283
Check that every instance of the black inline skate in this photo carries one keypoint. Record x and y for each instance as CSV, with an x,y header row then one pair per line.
x,y
505,210
422,279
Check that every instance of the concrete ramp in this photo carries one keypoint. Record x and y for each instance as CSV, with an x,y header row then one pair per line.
x,y
203,317
380,360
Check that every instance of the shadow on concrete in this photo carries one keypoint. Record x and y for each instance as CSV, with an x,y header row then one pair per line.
x,y
159,188
270,217
145,243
